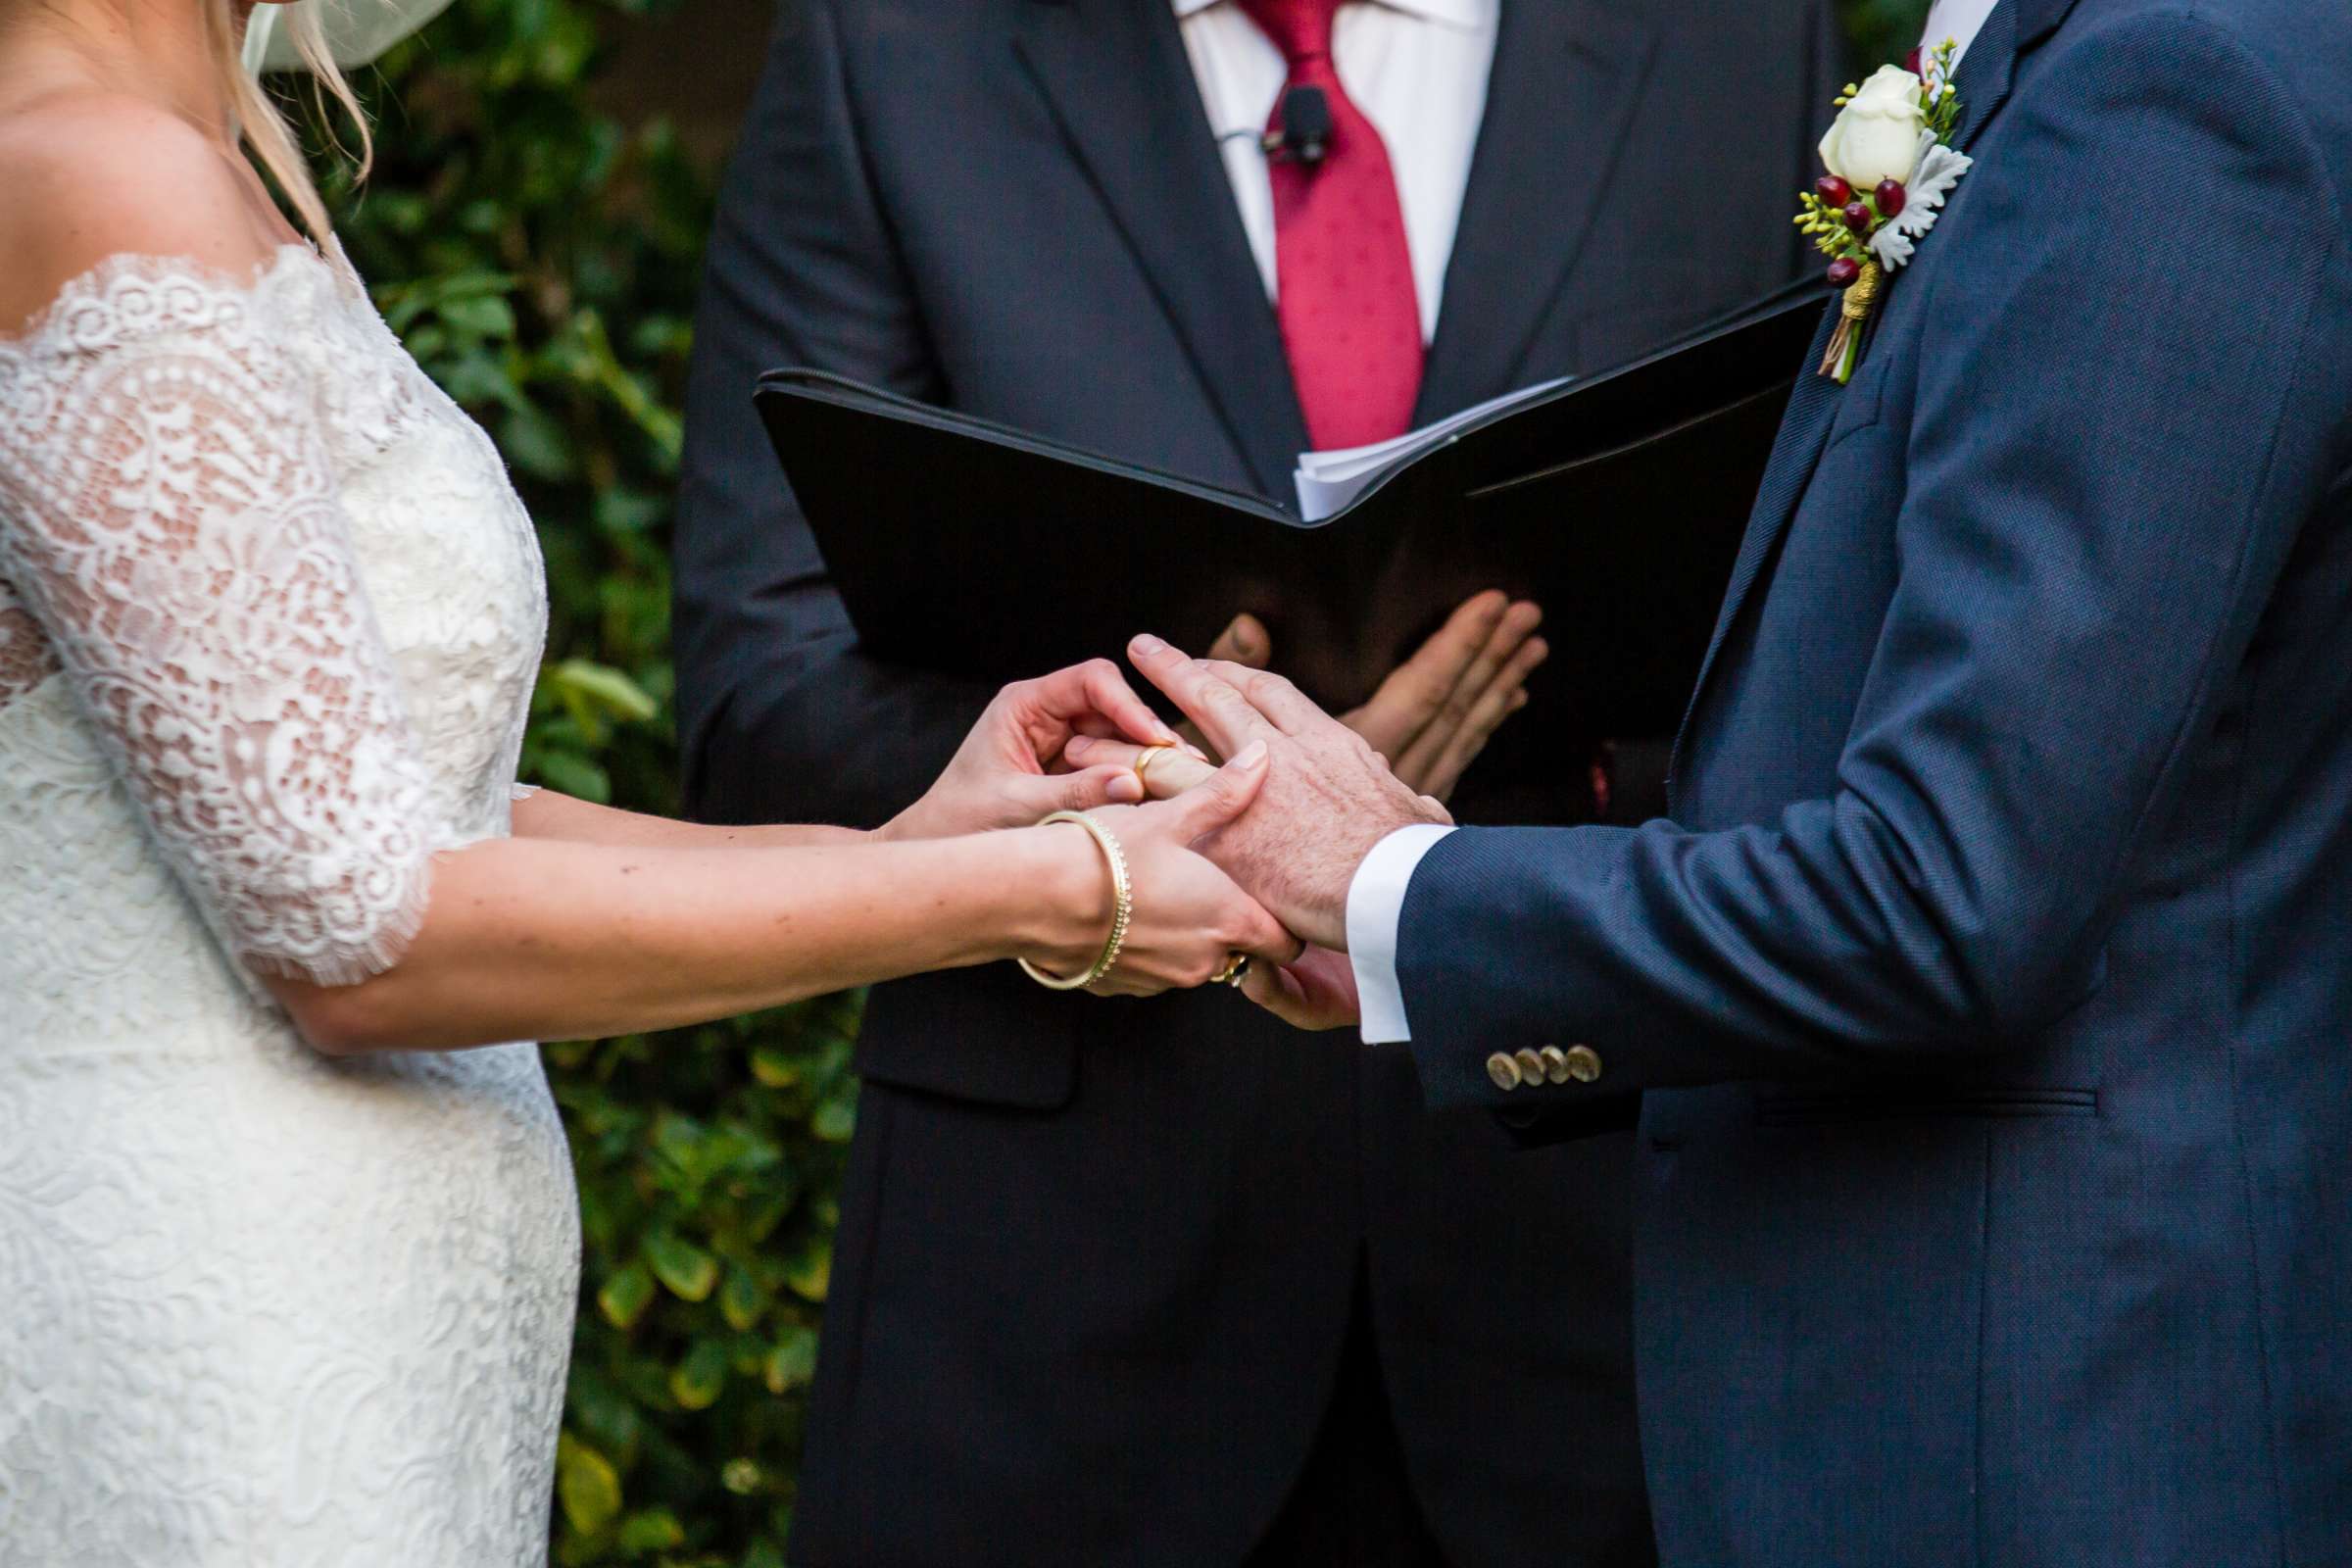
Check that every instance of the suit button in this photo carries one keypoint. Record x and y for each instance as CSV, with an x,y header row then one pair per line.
x,y
1555,1064
1503,1071
1531,1066
1584,1063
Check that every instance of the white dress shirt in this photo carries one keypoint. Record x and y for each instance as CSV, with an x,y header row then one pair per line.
x,y
1958,20
1376,895
1418,71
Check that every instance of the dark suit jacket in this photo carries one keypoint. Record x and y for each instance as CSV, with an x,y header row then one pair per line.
x,y
2011,868
1094,1259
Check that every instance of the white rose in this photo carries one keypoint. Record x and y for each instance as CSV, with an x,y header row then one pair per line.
x,y
1878,133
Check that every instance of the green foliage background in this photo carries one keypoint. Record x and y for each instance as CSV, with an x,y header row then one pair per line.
x,y
1882,29
540,257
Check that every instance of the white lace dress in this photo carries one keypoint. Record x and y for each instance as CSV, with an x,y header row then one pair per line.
x,y
269,618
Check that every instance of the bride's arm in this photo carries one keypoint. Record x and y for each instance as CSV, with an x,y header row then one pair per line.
x,y
595,921
534,937
548,814
171,519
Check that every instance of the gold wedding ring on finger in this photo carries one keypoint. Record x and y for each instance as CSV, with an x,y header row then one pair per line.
x,y
1235,970
1144,760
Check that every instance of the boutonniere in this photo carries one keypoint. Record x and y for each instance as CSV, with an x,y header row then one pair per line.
x,y
1891,164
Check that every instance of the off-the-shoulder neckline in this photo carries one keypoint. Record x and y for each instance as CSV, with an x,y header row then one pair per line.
x,y
95,280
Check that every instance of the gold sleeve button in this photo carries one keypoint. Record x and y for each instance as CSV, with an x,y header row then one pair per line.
x,y
1531,1066
1584,1063
1555,1064
1503,1071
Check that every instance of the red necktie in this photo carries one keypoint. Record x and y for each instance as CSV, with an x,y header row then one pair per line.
x,y
1351,321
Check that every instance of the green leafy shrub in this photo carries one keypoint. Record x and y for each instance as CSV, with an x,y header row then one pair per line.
x,y
1882,30
540,257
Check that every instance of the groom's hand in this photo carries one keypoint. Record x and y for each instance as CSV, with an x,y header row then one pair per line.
x,y
1328,796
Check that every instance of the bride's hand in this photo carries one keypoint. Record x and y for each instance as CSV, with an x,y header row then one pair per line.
x,y
1189,918
1011,769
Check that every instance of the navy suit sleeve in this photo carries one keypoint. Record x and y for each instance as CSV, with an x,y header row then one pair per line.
x,y
2130,380
780,717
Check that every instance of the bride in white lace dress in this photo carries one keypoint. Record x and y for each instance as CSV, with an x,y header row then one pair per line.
x,y
287,1236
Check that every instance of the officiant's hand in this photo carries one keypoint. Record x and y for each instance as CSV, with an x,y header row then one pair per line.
x,y
1012,769
1328,797
1438,710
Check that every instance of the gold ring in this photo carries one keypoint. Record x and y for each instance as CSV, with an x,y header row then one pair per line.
x,y
1142,760
1235,968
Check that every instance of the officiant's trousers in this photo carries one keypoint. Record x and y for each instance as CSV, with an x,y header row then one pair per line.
x,y
1353,1504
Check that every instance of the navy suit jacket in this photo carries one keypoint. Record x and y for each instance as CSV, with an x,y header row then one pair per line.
x,y
1986,992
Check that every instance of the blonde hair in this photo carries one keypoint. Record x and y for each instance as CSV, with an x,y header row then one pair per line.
x,y
264,128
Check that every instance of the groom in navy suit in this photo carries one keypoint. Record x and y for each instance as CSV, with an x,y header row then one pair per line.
x,y
1984,1001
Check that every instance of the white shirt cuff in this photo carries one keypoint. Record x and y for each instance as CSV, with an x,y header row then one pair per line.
x,y
1375,908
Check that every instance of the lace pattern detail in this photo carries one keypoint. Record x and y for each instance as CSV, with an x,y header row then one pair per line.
x,y
172,520
25,658
262,588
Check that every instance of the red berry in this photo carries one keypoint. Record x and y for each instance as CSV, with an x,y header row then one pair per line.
x,y
1844,271
1833,191
1890,197
1915,62
1858,217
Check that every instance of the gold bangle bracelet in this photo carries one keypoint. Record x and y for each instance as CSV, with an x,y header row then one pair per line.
x,y
1122,906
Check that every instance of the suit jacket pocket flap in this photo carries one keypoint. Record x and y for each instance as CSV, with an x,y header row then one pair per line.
x,y
1792,1107
989,1037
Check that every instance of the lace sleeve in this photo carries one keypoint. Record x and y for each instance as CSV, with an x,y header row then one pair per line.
x,y
170,518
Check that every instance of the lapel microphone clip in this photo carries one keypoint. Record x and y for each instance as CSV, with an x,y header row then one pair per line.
x,y
1303,136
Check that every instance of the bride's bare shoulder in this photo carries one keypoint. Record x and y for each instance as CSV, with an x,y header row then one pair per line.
x,y
92,176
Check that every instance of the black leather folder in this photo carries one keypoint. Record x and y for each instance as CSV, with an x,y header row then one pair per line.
x,y
1616,501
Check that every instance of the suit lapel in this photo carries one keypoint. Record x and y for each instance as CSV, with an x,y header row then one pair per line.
x,y
1985,78
1115,77
1986,74
1804,430
1566,78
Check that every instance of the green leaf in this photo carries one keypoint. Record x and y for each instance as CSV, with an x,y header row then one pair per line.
x,y
775,1066
811,1274
486,317
629,511
697,1382
792,1363
688,1270
604,686
764,1214
625,1296
587,1484
476,378
836,1119
573,775
654,1530
741,1300
537,446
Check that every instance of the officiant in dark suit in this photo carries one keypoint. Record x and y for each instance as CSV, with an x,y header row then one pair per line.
x,y
1127,1286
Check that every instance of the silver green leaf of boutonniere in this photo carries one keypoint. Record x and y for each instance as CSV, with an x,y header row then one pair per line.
x,y
1891,165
